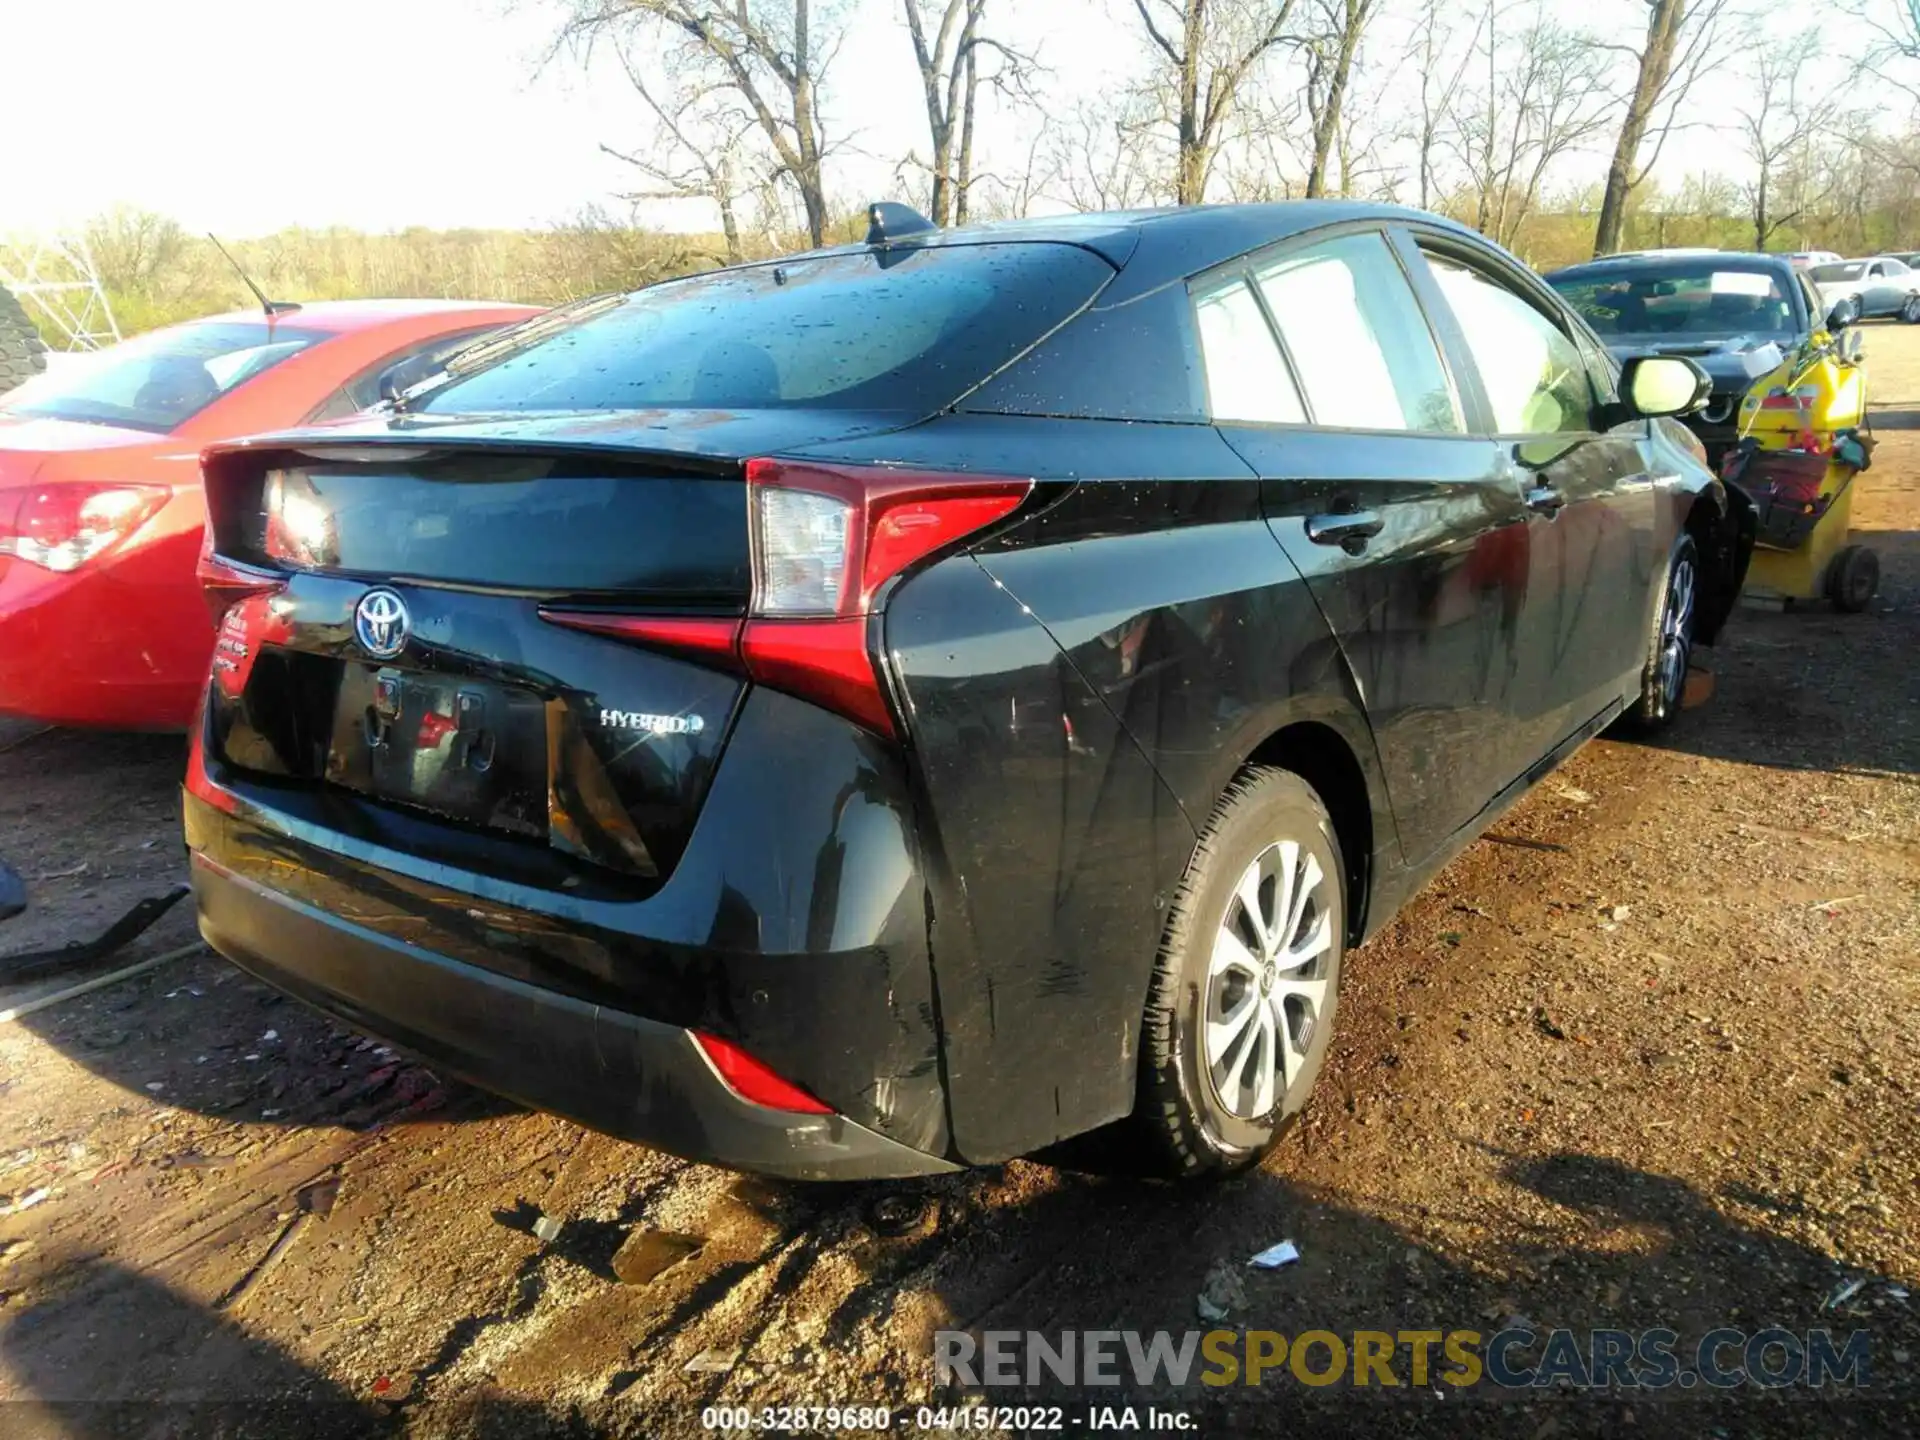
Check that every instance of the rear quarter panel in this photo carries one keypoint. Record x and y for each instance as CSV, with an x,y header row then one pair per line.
x,y
1079,693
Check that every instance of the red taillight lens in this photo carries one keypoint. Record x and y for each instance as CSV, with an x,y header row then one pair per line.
x,y
61,526
825,539
751,1080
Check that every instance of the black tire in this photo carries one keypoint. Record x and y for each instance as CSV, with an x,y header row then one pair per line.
x,y
1676,610
23,354
1853,579
1190,1129
1910,310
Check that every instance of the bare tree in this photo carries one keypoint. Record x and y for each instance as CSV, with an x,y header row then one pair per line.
x,y
1777,126
1442,70
1101,154
951,75
762,51
697,152
1218,45
1545,96
1339,26
945,68
1679,48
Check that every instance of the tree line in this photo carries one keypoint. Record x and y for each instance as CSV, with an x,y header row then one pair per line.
x,y
1554,139
1482,109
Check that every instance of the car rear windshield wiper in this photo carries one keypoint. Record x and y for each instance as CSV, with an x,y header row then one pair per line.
x,y
502,343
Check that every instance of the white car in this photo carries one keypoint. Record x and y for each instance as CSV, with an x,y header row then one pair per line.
x,y
1860,289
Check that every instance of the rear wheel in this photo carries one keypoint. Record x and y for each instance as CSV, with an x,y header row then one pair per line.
x,y
1910,310
22,352
1853,579
1670,645
1241,1009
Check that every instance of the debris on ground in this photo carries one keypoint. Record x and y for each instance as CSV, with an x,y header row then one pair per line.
x,y
546,1229
1274,1256
25,1202
646,1255
1223,1292
895,1213
1843,1292
712,1362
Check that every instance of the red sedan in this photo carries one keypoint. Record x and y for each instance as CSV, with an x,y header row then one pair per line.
x,y
101,513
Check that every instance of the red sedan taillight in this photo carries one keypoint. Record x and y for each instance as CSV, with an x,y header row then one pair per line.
x,y
826,539
62,526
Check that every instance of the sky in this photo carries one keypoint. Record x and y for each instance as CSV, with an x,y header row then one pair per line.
x,y
245,116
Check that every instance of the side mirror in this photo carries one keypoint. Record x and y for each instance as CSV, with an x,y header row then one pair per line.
x,y
1664,385
1840,316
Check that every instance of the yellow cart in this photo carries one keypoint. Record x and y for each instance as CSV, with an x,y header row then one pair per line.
x,y
1800,455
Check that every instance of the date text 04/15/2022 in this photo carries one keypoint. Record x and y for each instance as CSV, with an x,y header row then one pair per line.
x,y
1024,1419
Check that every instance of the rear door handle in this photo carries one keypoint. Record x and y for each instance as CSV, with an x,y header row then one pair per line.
x,y
1350,531
1545,499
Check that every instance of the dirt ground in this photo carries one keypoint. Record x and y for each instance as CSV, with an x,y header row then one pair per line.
x,y
1642,1057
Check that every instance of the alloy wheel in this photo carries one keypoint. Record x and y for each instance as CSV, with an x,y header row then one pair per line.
x,y
1676,634
1269,981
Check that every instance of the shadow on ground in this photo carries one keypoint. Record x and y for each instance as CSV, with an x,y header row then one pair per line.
x,y
1813,689
1613,1247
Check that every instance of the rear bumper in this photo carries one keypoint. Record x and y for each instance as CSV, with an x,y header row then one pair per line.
x,y
635,1078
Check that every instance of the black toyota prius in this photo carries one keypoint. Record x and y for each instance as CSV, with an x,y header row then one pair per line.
x,y
906,705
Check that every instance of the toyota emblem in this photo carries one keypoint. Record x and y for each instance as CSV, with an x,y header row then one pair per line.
x,y
380,623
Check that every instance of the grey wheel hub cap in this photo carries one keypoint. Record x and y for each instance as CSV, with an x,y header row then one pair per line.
x,y
1270,979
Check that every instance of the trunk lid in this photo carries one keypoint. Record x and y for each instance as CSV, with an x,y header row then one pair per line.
x,y
400,658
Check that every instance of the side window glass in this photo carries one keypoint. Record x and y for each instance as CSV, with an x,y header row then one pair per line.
x,y
361,391
1358,337
336,406
1534,375
1247,376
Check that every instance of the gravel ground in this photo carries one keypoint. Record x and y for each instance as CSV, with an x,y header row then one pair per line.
x,y
1641,1058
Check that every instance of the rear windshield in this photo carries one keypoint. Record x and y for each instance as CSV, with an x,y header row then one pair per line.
x,y
1828,274
907,330
160,380
1690,300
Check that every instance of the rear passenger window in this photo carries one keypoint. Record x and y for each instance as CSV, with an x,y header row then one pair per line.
x,y
1358,338
1247,377
1535,377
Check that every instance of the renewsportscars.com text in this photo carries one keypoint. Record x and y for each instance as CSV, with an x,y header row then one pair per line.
x,y
1513,1358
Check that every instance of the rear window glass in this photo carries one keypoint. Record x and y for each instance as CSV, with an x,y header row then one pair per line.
x,y
906,330
1829,274
160,380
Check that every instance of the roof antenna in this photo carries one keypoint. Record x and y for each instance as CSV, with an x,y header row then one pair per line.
x,y
272,307
889,220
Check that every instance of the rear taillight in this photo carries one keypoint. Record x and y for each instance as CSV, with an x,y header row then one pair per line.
x,y
826,540
751,1080
62,526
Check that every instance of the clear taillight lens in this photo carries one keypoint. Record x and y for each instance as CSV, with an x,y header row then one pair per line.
x,y
802,546
60,527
